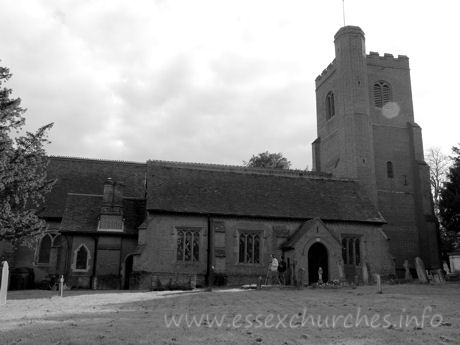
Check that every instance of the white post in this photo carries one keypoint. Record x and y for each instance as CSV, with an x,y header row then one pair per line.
x,y
61,286
4,286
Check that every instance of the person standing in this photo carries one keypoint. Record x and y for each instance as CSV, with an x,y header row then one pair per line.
x,y
282,271
273,269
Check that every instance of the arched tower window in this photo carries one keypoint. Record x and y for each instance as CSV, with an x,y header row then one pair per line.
x,y
382,93
44,250
330,106
390,173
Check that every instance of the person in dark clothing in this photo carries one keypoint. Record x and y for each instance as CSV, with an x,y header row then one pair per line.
x,y
282,271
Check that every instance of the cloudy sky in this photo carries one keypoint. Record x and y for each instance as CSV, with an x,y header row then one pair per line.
x,y
211,81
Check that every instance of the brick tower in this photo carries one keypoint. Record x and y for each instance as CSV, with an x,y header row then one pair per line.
x,y
366,131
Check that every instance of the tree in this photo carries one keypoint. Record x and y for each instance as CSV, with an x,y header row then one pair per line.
x,y
439,167
23,182
449,203
268,160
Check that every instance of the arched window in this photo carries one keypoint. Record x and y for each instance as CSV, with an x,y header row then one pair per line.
x,y
390,173
249,247
382,93
188,245
81,261
330,106
44,250
81,258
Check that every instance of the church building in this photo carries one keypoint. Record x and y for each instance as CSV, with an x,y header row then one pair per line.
x,y
364,209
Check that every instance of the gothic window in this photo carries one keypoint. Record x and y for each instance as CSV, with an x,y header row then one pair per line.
x,y
82,258
382,93
390,173
188,245
44,250
351,253
330,106
249,247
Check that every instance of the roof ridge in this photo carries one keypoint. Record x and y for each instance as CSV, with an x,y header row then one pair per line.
x,y
296,173
101,160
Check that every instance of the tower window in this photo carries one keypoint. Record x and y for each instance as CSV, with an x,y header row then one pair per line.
x,y
382,93
390,173
330,106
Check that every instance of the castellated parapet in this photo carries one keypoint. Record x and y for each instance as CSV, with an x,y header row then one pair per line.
x,y
374,59
387,60
328,71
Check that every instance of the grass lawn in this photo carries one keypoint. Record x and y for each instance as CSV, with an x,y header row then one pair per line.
x,y
275,316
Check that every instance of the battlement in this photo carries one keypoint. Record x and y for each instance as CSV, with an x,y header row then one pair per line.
x,y
326,72
387,60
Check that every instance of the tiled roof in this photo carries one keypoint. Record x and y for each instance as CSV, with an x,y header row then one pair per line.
x,y
87,176
82,211
202,190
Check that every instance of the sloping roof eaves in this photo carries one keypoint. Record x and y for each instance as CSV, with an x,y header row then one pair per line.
x,y
202,191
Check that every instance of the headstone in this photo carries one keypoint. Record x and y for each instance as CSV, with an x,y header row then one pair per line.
x,y
440,273
407,275
436,279
365,274
320,275
300,278
379,283
341,271
259,282
445,266
4,286
420,267
429,275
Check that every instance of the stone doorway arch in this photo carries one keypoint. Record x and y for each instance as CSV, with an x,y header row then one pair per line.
x,y
317,257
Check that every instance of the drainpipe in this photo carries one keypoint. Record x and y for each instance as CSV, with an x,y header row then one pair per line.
x,y
210,267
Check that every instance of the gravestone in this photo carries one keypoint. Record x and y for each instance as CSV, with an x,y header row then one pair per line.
x,y
407,274
4,286
365,274
379,283
440,273
445,266
341,271
259,282
420,267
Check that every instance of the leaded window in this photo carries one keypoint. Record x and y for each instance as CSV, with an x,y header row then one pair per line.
x,y
249,247
351,253
188,245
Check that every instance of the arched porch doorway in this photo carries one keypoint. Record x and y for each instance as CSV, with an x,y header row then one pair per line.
x,y
317,257
128,271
